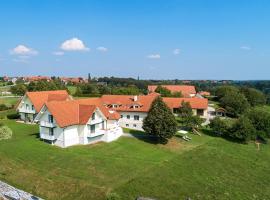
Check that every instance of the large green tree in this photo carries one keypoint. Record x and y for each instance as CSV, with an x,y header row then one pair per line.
x,y
243,130
235,103
160,121
254,97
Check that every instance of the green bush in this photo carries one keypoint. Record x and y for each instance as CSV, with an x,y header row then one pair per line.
x,y
113,196
5,133
3,107
13,116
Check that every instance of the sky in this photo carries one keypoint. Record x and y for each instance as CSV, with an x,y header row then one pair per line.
x,y
152,39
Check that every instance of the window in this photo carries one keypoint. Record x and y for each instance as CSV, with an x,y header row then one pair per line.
x,y
103,125
134,125
50,118
135,106
127,125
200,112
26,106
136,117
94,116
33,108
92,128
128,116
121,116
51,132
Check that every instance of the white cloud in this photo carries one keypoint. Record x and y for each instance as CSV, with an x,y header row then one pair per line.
x,y
176,51
23,50
74,44
153,56
102,49
247,48
58,53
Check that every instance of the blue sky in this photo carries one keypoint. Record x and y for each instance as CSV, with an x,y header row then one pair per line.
x,y
183,39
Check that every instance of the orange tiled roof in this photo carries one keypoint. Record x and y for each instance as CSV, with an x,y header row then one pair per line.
x,y
186,90
127,102
78,112
38,99
70,113
195,103
109,114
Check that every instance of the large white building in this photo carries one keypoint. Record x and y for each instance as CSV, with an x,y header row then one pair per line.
x,y
32,102
77,122
133,109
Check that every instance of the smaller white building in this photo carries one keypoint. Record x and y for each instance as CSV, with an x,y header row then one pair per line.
x,y
71,123
32,102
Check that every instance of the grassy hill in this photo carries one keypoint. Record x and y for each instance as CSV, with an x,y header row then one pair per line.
x,y
205,168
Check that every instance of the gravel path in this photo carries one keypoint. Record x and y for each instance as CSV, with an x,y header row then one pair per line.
x,y
8,192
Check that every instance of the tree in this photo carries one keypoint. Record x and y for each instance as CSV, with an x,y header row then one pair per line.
x,y
260,118
185,109
254,97
223,91
220,126
164,92
234,103
160,121
243,130
19,89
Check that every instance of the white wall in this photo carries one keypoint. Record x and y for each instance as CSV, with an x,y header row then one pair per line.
x,y
131,123
22,109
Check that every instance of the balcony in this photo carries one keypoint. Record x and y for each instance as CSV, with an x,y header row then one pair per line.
x,y
97,133
24,110
96,121
47,124
47,136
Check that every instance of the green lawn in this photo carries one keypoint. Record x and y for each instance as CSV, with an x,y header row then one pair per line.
x,y
9,101
205,168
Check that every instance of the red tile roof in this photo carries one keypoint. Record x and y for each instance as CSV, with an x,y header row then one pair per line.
x,y
186,90
70,113
128,102
38,99
109,114
78,112
195,103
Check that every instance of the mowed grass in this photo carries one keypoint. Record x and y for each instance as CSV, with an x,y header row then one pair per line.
x,y
205,168
9,101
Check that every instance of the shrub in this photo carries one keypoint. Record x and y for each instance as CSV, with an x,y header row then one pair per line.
x,y
3,107
5,133
220,126
243,130
13,116
113,196
260,118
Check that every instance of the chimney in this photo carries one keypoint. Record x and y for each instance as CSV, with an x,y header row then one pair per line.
x,y
135,98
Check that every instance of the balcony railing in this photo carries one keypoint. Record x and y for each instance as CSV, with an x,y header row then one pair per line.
x,y
47,136
24,110
96,121
47,124
97,133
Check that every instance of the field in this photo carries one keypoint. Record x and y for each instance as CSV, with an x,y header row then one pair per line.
x,y
9,101
205,168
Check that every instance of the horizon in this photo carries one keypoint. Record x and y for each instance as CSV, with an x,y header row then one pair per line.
x,y
206,40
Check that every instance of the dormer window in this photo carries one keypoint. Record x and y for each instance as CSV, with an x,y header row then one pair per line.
x,y
114,105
